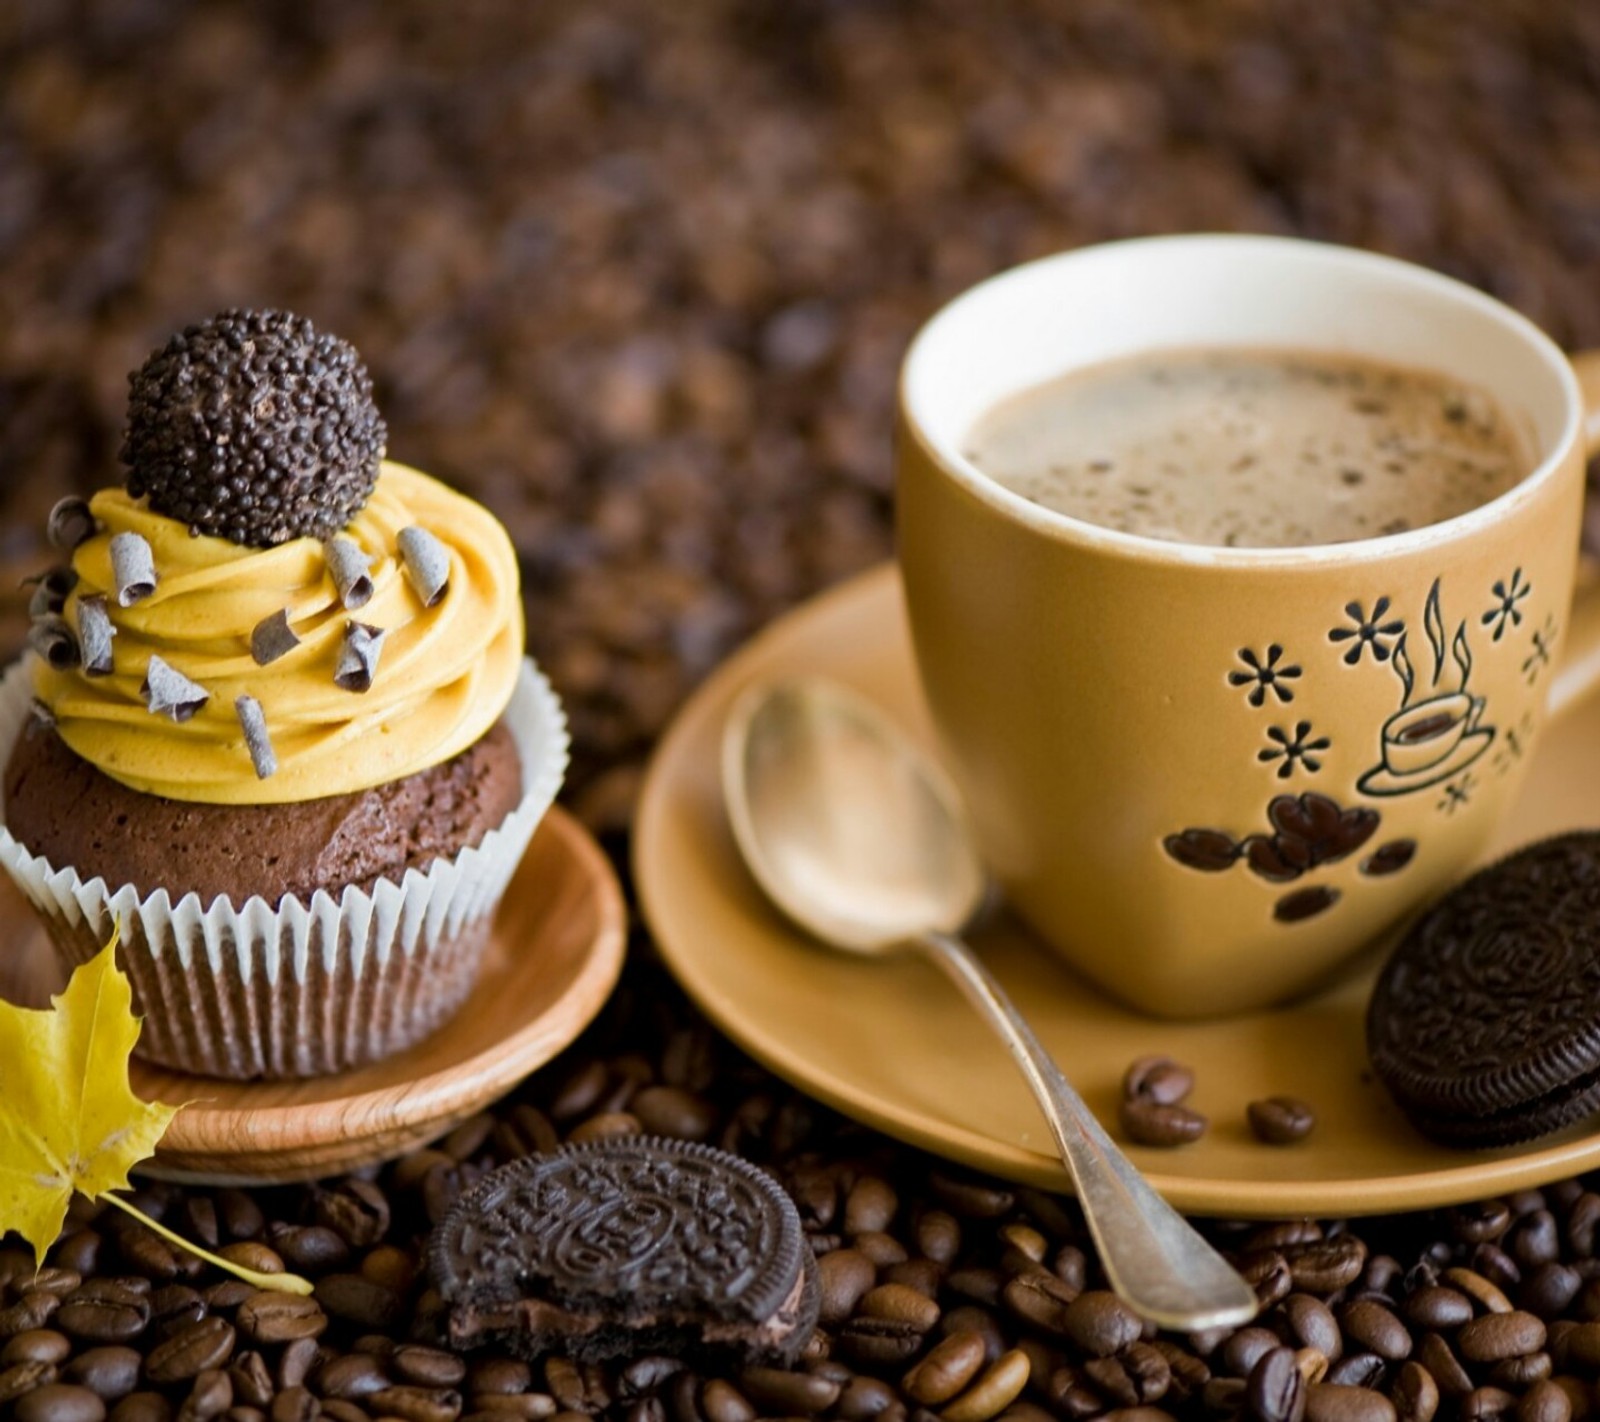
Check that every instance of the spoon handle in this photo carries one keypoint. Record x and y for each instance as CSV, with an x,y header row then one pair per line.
x,y
1153,1257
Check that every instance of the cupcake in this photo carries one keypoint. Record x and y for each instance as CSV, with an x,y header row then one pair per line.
x,y
277,721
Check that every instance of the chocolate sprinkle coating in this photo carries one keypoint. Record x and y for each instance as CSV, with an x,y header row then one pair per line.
x,y
254,427
358,656
1485,1023
627,1244
95,631
168,692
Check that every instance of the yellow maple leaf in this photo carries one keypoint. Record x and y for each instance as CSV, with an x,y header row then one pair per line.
x,y
68,1117
69,1120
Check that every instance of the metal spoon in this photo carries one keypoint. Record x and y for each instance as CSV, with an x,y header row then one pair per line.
x,y
862,842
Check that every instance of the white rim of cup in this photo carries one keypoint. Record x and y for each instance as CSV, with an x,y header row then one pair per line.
x,y
1066,528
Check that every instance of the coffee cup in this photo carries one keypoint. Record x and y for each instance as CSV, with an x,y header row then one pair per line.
x,y
1095,691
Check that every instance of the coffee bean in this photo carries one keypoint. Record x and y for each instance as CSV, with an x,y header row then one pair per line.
x,y
843,1278
1313,1365
142,1407
37,1345
296,1363
1275,1391
1550,1289
1437,1306
1486,1295
226,1296
252,1379
1311,1323
970,1319
1100,1323
862,1400
1188,1373
982,1286
268,1316
357,1211
59,1402
870,1206
295,1404
1375,1328
881,1249
1270,1276
1246,1348
1327,1267
416,1404
1158,1079
786,1394
353,1299
1544,1402
1441,1362
948,1367
22,1378
1519,1374
187,1354
879,1342
31,1312
1139,1375
896,1303
210,1396
1039,1299
427,1367
309,1249
923,1275
1500,1335
1356,1370
470,1137
173,1307
358,1376
1150,1123
1331,1402
996,1388
497,1375
252,1254
1280,1120
672,1111
938,1236
110,1372
1415,1394
1487,1404
720,1401
970,1198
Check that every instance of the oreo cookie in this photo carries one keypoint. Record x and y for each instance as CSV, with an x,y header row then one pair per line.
x,y
625,1247
1485,1023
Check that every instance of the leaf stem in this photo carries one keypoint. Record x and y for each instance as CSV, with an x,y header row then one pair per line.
x,y
283,1283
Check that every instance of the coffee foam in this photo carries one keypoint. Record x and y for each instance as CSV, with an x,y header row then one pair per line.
x,y
1252,448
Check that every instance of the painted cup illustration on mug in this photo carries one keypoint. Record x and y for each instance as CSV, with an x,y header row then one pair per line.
x,y
1431,736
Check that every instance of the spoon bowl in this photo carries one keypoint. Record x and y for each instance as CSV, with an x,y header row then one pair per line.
x,y
861,841
854,835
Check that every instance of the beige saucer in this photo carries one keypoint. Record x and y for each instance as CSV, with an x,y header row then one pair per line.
x,y
555,955
892,1044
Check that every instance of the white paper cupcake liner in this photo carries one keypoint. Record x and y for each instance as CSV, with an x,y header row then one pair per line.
x,y
302,989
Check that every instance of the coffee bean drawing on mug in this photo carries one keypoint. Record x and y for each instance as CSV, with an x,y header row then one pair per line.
x,y
1436,732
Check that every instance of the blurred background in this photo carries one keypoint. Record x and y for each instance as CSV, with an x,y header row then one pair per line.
x,y
638,273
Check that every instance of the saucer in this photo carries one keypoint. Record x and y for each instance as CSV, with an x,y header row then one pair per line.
x,y
552,961
1383,781
893,1045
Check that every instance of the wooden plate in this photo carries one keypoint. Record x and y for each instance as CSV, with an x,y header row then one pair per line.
x,y
555,955
892,1044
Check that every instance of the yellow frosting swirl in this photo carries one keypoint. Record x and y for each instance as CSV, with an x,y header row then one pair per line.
x,y
444,676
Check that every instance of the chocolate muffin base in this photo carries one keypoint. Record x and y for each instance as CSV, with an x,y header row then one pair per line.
x,y
67,811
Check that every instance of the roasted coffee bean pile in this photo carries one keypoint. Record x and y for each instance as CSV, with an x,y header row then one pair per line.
x,y
943,1294
638,274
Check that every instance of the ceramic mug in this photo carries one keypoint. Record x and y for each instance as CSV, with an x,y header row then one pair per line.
x,y
1206,775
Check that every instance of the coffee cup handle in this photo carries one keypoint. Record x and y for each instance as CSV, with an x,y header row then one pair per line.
x,y
1579,671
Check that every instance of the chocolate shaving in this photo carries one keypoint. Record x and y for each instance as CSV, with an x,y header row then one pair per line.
x,y
168,692
358,656
427,564
52,639
50,591
272,638
254,723
348,565
70,523
95,632
133,568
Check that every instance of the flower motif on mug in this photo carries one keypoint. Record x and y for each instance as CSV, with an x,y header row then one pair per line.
x,y
1505,610
1367,631
1292,749
1538,658
1264,674
1514,743
1457,794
